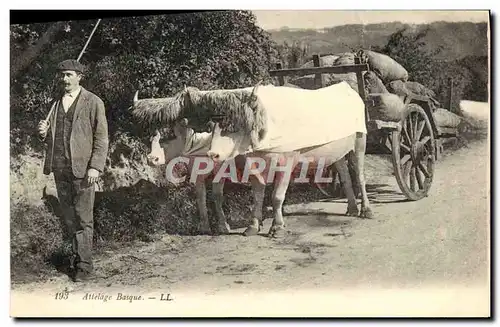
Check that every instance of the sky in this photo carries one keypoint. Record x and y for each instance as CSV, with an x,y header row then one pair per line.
x,y
275,19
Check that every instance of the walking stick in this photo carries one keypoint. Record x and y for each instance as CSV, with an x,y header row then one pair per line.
x,y
78,59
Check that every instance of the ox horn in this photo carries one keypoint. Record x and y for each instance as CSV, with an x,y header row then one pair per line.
x,y
255,87
136,97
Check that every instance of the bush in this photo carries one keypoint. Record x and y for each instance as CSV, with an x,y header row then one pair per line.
x,y
36,234
470,74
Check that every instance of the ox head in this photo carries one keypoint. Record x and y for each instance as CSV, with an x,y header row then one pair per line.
x,y
157,155
164,151
182,142
170,146
226,146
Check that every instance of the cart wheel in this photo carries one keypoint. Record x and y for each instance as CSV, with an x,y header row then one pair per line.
x,y
413,153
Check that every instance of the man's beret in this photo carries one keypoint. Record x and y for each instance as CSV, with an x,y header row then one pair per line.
x,y
71,64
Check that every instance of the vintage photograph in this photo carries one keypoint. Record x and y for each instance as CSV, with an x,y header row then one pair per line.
x,y
250,163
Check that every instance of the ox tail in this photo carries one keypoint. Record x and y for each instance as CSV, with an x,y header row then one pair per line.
x,y
351,165
339,192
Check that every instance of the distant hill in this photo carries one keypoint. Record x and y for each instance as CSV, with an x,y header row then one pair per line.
x,y
458,40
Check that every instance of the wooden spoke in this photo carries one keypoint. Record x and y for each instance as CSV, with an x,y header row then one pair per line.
x,y
407,168
405,158
420,130
426,139
410,121
406,147
415,126
427,154
423,169
405,142
406,135
419,178
412,179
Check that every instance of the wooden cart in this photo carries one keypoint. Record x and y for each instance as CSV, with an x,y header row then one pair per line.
x,y
413,142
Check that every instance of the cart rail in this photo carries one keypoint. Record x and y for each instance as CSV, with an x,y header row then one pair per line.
x,y
357,68
343,69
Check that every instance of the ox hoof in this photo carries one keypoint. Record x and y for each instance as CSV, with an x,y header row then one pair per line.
x,y
204,230
276,232
223,228
366,213
251,231
352,211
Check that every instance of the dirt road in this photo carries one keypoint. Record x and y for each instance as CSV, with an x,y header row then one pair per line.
x,y
428,258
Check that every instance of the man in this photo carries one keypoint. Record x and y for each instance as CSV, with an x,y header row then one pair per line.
x,y
76,154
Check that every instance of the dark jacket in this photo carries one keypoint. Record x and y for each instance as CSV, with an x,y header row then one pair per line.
x,y
89,135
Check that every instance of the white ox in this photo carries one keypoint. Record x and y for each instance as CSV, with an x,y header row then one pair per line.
x,y
191,145
301,132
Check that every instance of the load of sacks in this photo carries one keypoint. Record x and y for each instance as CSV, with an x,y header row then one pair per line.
x,y
386,84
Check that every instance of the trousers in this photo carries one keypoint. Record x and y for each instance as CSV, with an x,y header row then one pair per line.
x,y
76,197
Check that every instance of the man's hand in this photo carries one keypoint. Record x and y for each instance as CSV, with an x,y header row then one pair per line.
x,y
92,175
43,127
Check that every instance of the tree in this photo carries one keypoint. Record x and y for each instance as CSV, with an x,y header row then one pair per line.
x,y
478,67
19,61
461,78
294,55
408,49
